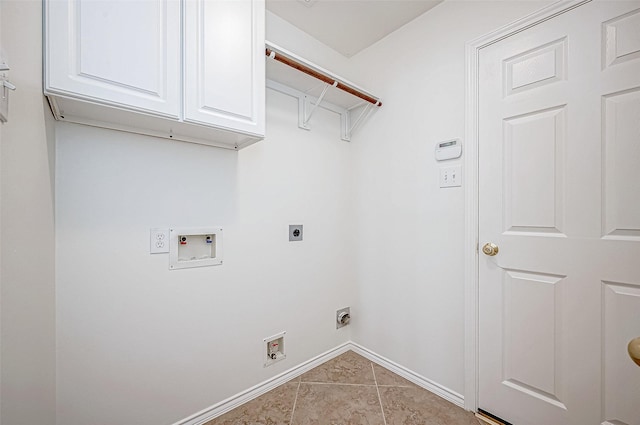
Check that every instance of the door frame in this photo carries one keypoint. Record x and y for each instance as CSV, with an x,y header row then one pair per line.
x,y
471,282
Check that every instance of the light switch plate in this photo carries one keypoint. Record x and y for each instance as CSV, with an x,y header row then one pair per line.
x,y
451,176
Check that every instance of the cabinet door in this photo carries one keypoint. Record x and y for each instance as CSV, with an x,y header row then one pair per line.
x,y
225,64
119,52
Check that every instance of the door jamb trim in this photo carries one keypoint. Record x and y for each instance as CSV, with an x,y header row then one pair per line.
x,y
472,54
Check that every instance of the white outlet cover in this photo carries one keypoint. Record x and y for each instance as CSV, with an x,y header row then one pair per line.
x,y
159,241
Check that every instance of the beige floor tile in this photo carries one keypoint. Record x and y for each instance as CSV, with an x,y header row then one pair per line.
x,y
385,377
337,404
342,391
417,406
272,408
348,368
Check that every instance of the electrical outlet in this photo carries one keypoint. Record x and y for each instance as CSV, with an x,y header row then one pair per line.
x,y
295,232
159,241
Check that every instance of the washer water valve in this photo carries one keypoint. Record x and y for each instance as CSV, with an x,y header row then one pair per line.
x,y
343,316
275,349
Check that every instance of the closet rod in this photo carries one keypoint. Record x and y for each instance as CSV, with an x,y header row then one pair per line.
x,y
322,77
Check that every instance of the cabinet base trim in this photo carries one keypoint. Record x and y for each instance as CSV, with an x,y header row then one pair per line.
x,y
79,112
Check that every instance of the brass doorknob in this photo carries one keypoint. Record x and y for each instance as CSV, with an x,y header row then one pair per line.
x,y
634,350
490,249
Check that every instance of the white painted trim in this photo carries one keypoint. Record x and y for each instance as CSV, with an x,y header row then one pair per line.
x,y
409,375
471,183
245,396
471,232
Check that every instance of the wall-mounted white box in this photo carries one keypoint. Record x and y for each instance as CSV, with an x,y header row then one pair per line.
x,y
195,247
274,349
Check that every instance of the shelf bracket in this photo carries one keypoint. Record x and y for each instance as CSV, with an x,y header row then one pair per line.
x,y
307,115
310,103
365,113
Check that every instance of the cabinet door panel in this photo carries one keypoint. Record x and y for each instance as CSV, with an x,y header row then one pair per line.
x,y
224,64
120,52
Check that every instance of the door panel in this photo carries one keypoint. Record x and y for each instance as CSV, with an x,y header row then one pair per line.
x,y
621,41
621,169
559,193
136,67
531,359
225,64
534,68
533,146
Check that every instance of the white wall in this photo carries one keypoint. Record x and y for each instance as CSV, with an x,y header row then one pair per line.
x,y
410,292
291,38
139,344
27,245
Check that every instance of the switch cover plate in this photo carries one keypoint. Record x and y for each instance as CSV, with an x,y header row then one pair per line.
x,y
451,176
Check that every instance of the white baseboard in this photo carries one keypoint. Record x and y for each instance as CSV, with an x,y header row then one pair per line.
x,y
245,396
421,381
256,391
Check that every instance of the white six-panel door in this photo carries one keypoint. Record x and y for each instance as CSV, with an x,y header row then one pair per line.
x,y
121,52
559,194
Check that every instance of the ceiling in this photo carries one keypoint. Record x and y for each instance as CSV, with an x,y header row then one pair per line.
x,y
349,26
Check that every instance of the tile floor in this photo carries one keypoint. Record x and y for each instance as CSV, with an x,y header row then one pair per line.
x,y
348,390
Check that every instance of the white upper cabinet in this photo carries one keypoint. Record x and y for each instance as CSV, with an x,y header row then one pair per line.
x,y
224,64
188,70
120,52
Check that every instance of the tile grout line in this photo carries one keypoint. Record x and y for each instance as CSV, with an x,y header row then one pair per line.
x,y
295,400
395,386
378,390
338,383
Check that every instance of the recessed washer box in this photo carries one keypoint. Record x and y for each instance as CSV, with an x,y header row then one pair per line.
x,y
195,247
